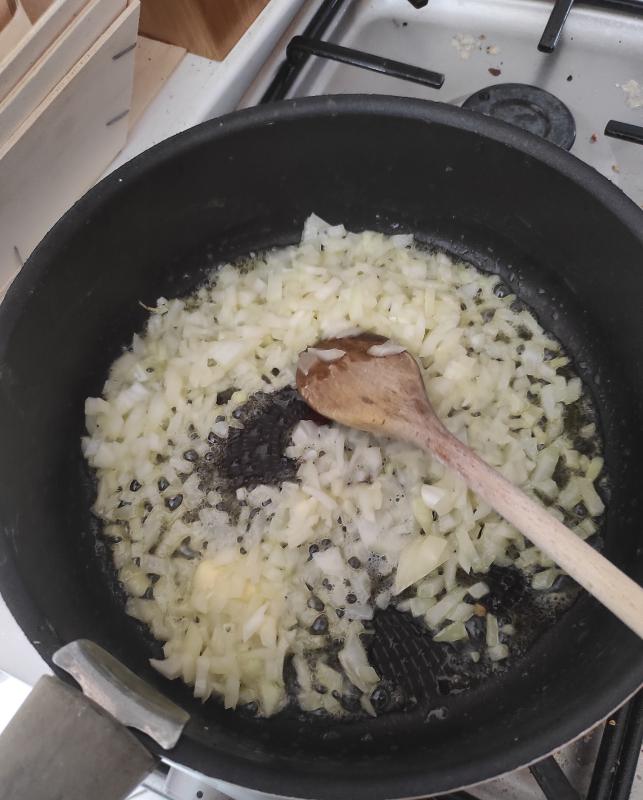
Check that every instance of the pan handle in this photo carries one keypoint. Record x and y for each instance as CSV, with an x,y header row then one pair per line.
x,y
62,744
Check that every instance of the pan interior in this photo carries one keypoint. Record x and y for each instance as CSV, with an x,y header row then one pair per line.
x,y
218,194
429,688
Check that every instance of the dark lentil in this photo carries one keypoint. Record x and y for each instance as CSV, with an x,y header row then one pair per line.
x,y
134,486
163,483
174,502
354,562
191,455
580,510
320,625
350,703
351,598
224,397
380,698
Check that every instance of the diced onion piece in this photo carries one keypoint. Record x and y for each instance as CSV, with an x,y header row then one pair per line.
x,y
492,630
419,557
353,659
431,495
330,561
478,590
461,613
387,348
545,578
452,633
254,623
498,652
329,354
306,361
169,667
434,616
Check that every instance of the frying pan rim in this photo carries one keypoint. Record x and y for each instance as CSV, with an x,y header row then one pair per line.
x,y
236,769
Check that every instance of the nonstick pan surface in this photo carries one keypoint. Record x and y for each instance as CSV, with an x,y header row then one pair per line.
x,y
558,234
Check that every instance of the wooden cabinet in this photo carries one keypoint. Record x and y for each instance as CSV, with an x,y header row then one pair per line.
x,y
207,28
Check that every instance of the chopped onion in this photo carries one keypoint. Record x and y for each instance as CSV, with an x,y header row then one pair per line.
x,y
492,630
419,557
498,652
431,495
353,659
306,361
234,591
452,633
329,354
387,348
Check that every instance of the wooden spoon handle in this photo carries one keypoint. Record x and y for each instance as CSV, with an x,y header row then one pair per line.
x,y
600,577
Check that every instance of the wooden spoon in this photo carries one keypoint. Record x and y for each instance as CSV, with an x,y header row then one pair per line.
x,y
386,395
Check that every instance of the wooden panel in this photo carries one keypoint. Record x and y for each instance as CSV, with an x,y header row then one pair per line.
x,y
56,62
14,26
6,13
208,28
39,37
36,8
60,150
155,62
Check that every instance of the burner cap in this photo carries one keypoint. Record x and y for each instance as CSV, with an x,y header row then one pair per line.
x,y
526,107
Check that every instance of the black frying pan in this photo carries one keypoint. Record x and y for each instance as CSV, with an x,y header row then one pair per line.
x,y
561,236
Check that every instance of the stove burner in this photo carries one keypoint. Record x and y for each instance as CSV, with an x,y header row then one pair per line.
x,y
527,107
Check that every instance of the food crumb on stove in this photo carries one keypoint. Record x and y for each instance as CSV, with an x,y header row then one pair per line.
x,y
570,77
593,138
495,71
616,168
633,94
464,43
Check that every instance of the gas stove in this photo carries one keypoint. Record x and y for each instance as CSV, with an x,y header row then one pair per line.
x,y
570,72
488,55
